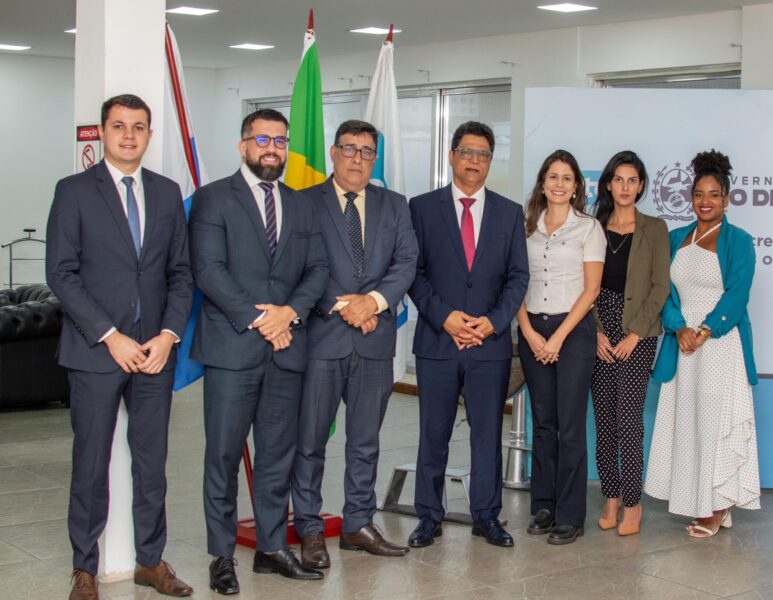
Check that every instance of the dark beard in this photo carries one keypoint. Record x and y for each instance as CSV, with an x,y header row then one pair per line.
x,y
265,173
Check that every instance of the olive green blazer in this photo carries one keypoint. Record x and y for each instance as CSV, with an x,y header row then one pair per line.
x,y
647,282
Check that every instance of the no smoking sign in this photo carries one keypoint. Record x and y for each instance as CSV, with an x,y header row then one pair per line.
x,y
88,147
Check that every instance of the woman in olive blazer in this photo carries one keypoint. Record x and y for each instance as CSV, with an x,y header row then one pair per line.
x,y
634,287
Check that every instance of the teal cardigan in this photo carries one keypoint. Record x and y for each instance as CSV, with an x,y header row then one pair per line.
x,y
735,251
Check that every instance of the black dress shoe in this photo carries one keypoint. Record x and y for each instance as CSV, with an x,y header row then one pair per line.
x,y
541,523
564,534
222,576
425,533
494,533
284,563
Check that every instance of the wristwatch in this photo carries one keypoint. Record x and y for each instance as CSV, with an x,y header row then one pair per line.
x,y
704,332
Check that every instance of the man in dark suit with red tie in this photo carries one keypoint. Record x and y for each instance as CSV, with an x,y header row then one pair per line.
x,y
117,258
471,278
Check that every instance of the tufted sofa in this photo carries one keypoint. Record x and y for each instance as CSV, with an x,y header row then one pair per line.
x,y
30,322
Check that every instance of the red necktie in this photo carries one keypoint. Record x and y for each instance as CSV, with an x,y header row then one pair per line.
x,y
468,231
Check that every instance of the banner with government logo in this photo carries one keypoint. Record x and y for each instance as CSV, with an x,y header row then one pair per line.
x,y
666,128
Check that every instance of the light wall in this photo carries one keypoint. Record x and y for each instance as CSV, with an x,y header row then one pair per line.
x,y
36,104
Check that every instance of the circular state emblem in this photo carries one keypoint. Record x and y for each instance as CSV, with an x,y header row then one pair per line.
x,y
671,192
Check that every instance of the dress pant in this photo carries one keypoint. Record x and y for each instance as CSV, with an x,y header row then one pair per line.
x,y
619,390
485,387
265,398
559,406
94,402
365,386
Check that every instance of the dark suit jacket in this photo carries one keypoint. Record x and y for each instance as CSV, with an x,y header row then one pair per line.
x,y
92,266
494,288
233,268
390,265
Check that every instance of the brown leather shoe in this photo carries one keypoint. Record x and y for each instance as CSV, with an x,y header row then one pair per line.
x,y
314,551
84,586
163,578
370,539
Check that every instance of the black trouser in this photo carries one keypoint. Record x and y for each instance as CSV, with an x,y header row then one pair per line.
x,y
94,402
619,390
267,399
485,389
559,405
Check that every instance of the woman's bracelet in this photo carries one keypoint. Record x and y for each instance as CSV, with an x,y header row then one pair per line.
x,y
704,332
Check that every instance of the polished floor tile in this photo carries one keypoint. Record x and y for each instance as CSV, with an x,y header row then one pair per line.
x,y
662,563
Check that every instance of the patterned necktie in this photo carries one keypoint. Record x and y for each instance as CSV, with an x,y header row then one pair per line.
x,y
468,231
133,214
354,229
268,189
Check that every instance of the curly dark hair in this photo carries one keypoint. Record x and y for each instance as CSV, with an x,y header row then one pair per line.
x,y
712,164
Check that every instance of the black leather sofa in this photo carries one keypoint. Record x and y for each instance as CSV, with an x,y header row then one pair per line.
x,y
30,324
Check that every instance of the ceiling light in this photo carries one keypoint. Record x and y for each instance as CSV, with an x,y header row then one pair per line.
x,y
70,30
12,47
374,30
251,47
567,7
190,10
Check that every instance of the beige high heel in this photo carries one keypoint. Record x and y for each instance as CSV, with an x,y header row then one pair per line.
x,y
726,521
607,523
630,527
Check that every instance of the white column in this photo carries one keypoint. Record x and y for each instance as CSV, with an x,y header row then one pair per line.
x,y
119,48
757,47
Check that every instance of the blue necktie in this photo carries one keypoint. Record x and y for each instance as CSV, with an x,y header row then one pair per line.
x,y
354,229
268,190
133,214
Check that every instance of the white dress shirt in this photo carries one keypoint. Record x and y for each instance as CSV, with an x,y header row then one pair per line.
x,y
139,193
260,197
139,196
476,209
556,262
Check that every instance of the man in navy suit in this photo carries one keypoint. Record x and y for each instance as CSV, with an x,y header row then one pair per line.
x,y
259,259
117,259
471,278
372,251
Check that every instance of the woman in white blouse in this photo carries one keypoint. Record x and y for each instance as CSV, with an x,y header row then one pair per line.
x,y
557,342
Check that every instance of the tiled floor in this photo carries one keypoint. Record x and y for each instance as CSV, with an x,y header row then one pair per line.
x,y
662,563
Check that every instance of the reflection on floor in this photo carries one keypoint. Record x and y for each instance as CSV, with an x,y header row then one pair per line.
x,y
661,563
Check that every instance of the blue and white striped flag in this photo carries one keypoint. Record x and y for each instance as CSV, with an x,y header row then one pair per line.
x,y
388,172
181,163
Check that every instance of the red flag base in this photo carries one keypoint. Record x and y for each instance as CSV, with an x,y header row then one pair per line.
x,y
245,530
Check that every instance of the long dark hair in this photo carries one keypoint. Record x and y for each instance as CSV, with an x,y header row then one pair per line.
x,y
538,202
606,203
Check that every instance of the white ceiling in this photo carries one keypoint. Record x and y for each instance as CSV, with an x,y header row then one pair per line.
x,y
204,41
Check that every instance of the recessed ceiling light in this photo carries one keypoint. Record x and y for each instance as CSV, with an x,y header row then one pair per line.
x,y
12,47
251,47
374,30
190,10
567,7
70,30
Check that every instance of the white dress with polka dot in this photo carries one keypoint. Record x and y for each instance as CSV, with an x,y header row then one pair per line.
x,y
703,456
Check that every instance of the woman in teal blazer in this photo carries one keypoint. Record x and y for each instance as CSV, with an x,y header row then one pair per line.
x,y
703,457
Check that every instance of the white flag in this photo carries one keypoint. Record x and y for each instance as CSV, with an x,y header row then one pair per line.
x,y
382,113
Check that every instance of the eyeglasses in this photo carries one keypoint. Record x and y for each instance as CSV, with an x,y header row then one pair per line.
x,y
350,151
468,153
280,141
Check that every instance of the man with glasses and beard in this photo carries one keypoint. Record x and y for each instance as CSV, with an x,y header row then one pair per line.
x,y
259,259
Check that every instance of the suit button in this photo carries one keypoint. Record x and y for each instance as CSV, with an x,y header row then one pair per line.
x,y
270,282
724,318
133,304
469,285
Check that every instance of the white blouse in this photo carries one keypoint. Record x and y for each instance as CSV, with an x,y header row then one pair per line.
x,y
556,262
